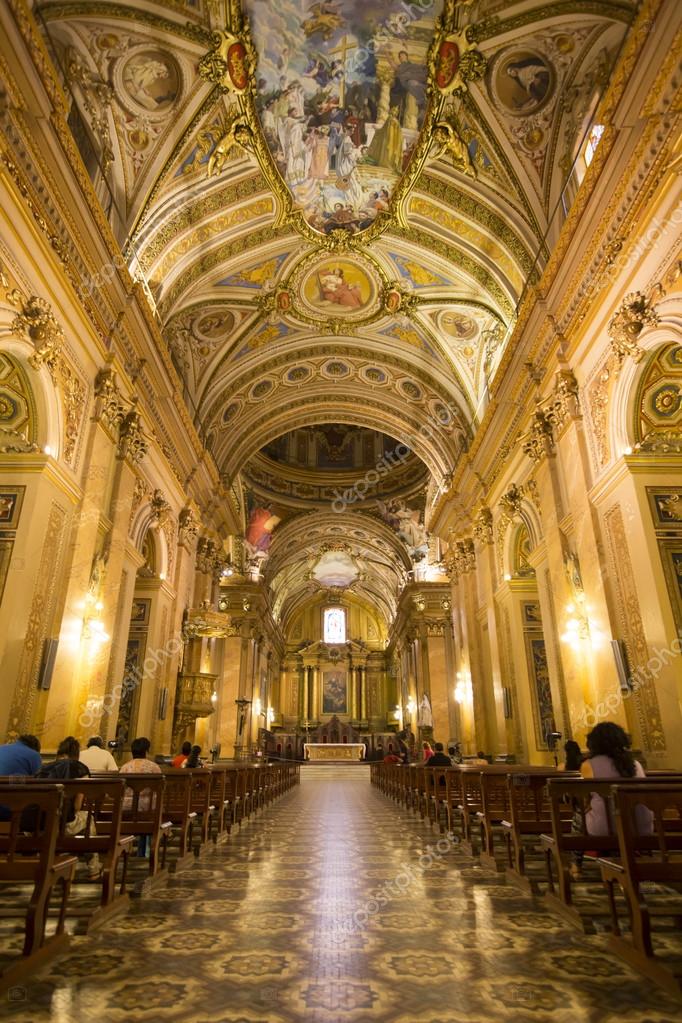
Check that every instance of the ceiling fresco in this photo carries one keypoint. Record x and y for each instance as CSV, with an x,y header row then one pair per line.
x,y
335,209
341,94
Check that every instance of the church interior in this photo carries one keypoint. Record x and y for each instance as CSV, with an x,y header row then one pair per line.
x,y
341,417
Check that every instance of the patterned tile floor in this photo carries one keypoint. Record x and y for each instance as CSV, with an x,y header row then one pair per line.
x,y
330,908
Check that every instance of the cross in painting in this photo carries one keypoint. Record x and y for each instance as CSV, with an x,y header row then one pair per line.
x,y
342,51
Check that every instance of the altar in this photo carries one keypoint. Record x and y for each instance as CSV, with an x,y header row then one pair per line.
x,y
334,750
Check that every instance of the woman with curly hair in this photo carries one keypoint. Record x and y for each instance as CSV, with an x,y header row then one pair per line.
x,y
610,758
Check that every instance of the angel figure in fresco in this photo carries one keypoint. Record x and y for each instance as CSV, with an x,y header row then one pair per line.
x,y
324,18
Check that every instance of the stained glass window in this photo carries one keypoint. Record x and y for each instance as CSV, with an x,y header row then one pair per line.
x,y
334,625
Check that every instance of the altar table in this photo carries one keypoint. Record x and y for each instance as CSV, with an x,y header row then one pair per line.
x,y
334,750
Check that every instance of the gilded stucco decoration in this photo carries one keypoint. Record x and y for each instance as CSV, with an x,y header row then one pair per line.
x,y
37,322
626,325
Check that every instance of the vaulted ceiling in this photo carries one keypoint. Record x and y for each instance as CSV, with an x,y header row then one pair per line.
x,y
224,147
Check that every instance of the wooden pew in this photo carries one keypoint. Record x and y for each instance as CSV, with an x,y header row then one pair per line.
x,y
28,857
529,817
563,841
177,810
201,804
103,804
143,815
435,795
453,796
641,860
221,800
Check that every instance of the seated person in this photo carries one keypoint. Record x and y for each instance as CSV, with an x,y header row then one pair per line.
x,y
194,760
96,758
67,766
439,758
179,760
19,759
610,757
140,764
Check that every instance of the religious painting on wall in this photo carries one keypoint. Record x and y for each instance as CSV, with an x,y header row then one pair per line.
x,y
6,545
132,676
671,556
339,284
139,616
334,692
342,88
544,719
11,500
541,692
666,507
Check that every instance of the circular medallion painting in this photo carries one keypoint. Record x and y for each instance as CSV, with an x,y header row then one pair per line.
x,y
150,79
457,325
523,81
338,287
214,325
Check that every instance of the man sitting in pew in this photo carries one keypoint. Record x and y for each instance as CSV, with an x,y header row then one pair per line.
x,y
439,758
96,758
67,766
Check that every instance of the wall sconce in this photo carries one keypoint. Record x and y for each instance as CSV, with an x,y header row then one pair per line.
x,y
411,707
93,626
214,697
257,707
270,715
577,627
463,689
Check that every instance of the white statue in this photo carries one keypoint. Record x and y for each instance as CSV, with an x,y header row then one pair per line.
x,y
425,717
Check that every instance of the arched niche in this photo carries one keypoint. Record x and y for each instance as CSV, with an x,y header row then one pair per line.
x,y
632,380
29,402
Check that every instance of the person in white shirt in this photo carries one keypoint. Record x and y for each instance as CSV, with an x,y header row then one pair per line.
x,y
96,758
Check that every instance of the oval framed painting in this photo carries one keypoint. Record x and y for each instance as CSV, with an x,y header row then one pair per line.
x,y
522,81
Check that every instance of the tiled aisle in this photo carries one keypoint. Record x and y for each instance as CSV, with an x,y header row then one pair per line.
x,y
258,931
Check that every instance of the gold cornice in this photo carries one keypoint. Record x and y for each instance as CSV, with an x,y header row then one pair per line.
x,y
101,9
41,464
